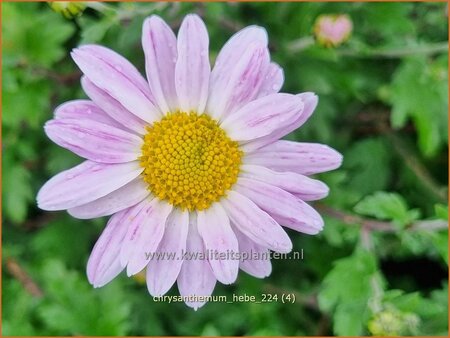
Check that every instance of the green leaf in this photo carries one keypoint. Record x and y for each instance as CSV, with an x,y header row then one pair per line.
x,y
432,311
419,91
73,307
441,211
16,192
439,241
30,38
346,292
389,206
18,307
28,105
94,30
57,240
384,18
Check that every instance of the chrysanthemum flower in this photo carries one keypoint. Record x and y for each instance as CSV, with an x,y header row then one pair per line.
x,y
188,162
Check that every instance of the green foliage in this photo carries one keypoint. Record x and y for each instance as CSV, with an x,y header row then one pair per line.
x,y
419,91
390,206
368,161
383,102
346,291
16,178
66,310
30,38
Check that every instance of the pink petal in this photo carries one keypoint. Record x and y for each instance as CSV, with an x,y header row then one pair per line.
x,y
214,227
85,183
162,271
104,264
112,73
262,116
127,196
257,262
302,158
159,44
94,141
299,185
112,107
240,83
119,64
233,49
285,208
273,80
310,101
196,277
147,223
84,109
192,69
256,223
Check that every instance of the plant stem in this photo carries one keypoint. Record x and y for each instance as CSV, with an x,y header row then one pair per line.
x,y
429,49
381,226
300,44
417,168
13,267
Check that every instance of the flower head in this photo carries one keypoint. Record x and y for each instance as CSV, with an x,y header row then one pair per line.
x,y
188,162
333,30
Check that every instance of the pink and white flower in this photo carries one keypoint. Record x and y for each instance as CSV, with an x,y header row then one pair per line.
x,y
189,161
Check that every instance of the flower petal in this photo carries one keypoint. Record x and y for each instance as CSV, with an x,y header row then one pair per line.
x,y
127,196
119,64
116,76
256,223
147,224
273,80
85,183
84,109
159,44
302,158
163,270
94,141
234,48
299,185
112,107
310,101
104,264
196,277
192,69
262,116
285,208
214,227
257,260
240,83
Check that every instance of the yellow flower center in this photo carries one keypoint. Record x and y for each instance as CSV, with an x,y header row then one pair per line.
x,y
189,160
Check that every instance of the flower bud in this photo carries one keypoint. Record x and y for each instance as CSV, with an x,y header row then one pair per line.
x,y
392,322
70,9
331,30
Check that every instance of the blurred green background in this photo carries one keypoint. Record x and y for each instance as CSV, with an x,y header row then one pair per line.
x,y
380,265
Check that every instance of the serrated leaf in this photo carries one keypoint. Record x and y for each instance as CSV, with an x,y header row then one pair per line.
x,y
389,206
347,289
31,38
16,192
419,91
73,307
28,104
